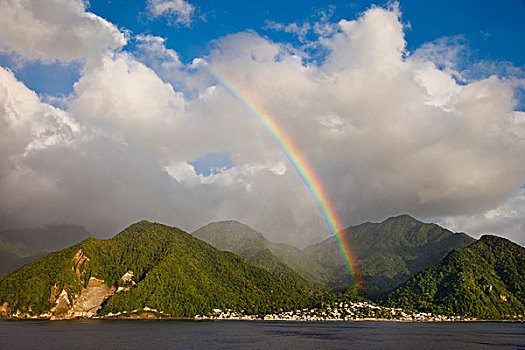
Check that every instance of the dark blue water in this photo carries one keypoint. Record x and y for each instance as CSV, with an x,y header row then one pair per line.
x,y
122,334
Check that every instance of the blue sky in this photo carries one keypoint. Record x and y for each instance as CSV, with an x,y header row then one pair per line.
x,y
490,32
495,31
415,107
212,162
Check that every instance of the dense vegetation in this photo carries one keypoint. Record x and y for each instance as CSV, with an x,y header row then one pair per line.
x,y
288,263
174,272
29,288
485,280
184,276
387,253
21,246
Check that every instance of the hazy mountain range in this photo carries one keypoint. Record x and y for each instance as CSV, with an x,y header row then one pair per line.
x,y
387,253
21,246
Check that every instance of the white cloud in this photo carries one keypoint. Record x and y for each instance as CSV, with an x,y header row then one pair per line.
x,y
309,32
27,124
240,175
440,86
57,166
446,52
375,40
126,98
178,11
506,219
55,30
152,52
301,30
386,132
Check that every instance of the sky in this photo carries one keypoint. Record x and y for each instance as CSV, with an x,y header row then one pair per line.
x,y
109,113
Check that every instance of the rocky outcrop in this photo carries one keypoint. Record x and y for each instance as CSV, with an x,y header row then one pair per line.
x,y
79,261
86,304
62,305
91,298
126,282
73,300
4,309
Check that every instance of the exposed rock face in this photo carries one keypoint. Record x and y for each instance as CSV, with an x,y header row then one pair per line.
x,y
91,298
86,305
79,261
126,282
4,309
67,304
62,305
127,277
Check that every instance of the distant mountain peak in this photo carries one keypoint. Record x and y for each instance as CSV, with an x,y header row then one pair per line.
x,y
214,230
232,223
389,252
403,217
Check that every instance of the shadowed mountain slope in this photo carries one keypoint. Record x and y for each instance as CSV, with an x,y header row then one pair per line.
x,y
387,253
280,259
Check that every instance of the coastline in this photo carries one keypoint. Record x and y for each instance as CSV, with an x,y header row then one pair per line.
x,y
201,319
339,311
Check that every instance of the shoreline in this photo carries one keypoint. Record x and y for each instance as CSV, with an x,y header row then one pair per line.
x,y
192,319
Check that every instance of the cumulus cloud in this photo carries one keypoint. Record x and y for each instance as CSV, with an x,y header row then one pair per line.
x,y
301,30
53,30
179,12
310,33
27,124
125,97
152,52
59,167
386,131
506,219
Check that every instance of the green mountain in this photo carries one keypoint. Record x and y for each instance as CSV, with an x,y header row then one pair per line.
x,y
148,265
21,246
484,280
387,253
283,260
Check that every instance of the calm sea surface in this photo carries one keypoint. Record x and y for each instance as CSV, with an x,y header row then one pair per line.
x,y
122,334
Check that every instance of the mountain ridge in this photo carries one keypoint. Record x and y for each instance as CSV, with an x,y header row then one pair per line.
x,y
389,252
483,280
170,271
161,271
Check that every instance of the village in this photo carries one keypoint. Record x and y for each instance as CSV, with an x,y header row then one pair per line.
x,y
352,311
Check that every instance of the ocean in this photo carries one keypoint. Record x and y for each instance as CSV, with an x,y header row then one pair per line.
x,y
163,334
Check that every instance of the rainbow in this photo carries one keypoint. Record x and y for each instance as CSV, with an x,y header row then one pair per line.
x,y
302,167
